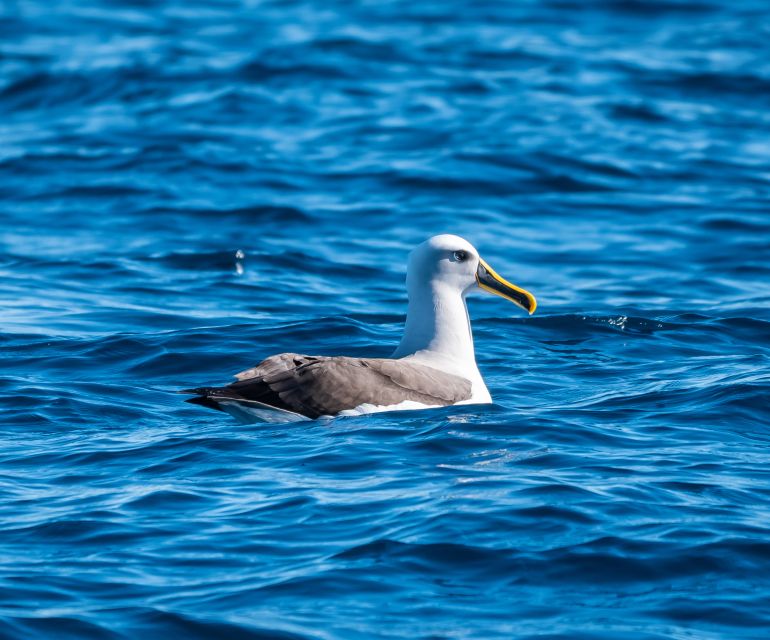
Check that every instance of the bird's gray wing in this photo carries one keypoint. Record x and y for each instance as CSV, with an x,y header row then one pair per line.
x,y
420,378
320,385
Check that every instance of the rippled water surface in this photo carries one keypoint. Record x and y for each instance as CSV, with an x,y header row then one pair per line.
x,y
188,187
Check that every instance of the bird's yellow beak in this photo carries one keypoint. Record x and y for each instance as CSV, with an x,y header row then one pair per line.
x,y
489,280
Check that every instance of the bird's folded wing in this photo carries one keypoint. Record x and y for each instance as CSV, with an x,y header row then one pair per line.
x,y
315,385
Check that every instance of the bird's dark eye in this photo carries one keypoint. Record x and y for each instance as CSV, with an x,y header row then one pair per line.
x,y
461,256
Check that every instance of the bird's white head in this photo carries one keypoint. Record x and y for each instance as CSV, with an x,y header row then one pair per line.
x,y
447,264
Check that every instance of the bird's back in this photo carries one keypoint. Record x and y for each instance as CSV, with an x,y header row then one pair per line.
x,y
314,386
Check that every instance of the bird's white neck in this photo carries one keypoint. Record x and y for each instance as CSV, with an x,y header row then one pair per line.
x,y
437,327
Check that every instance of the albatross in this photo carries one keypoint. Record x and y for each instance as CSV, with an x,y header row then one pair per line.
x,y
433,366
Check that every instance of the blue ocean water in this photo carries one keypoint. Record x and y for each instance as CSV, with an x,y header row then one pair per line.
x,y
189,186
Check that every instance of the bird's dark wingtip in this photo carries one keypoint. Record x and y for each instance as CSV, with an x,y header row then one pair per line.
x,y
198,391
205,401
203,397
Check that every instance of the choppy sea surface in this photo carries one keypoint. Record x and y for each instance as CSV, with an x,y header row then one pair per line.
x,y
188,187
